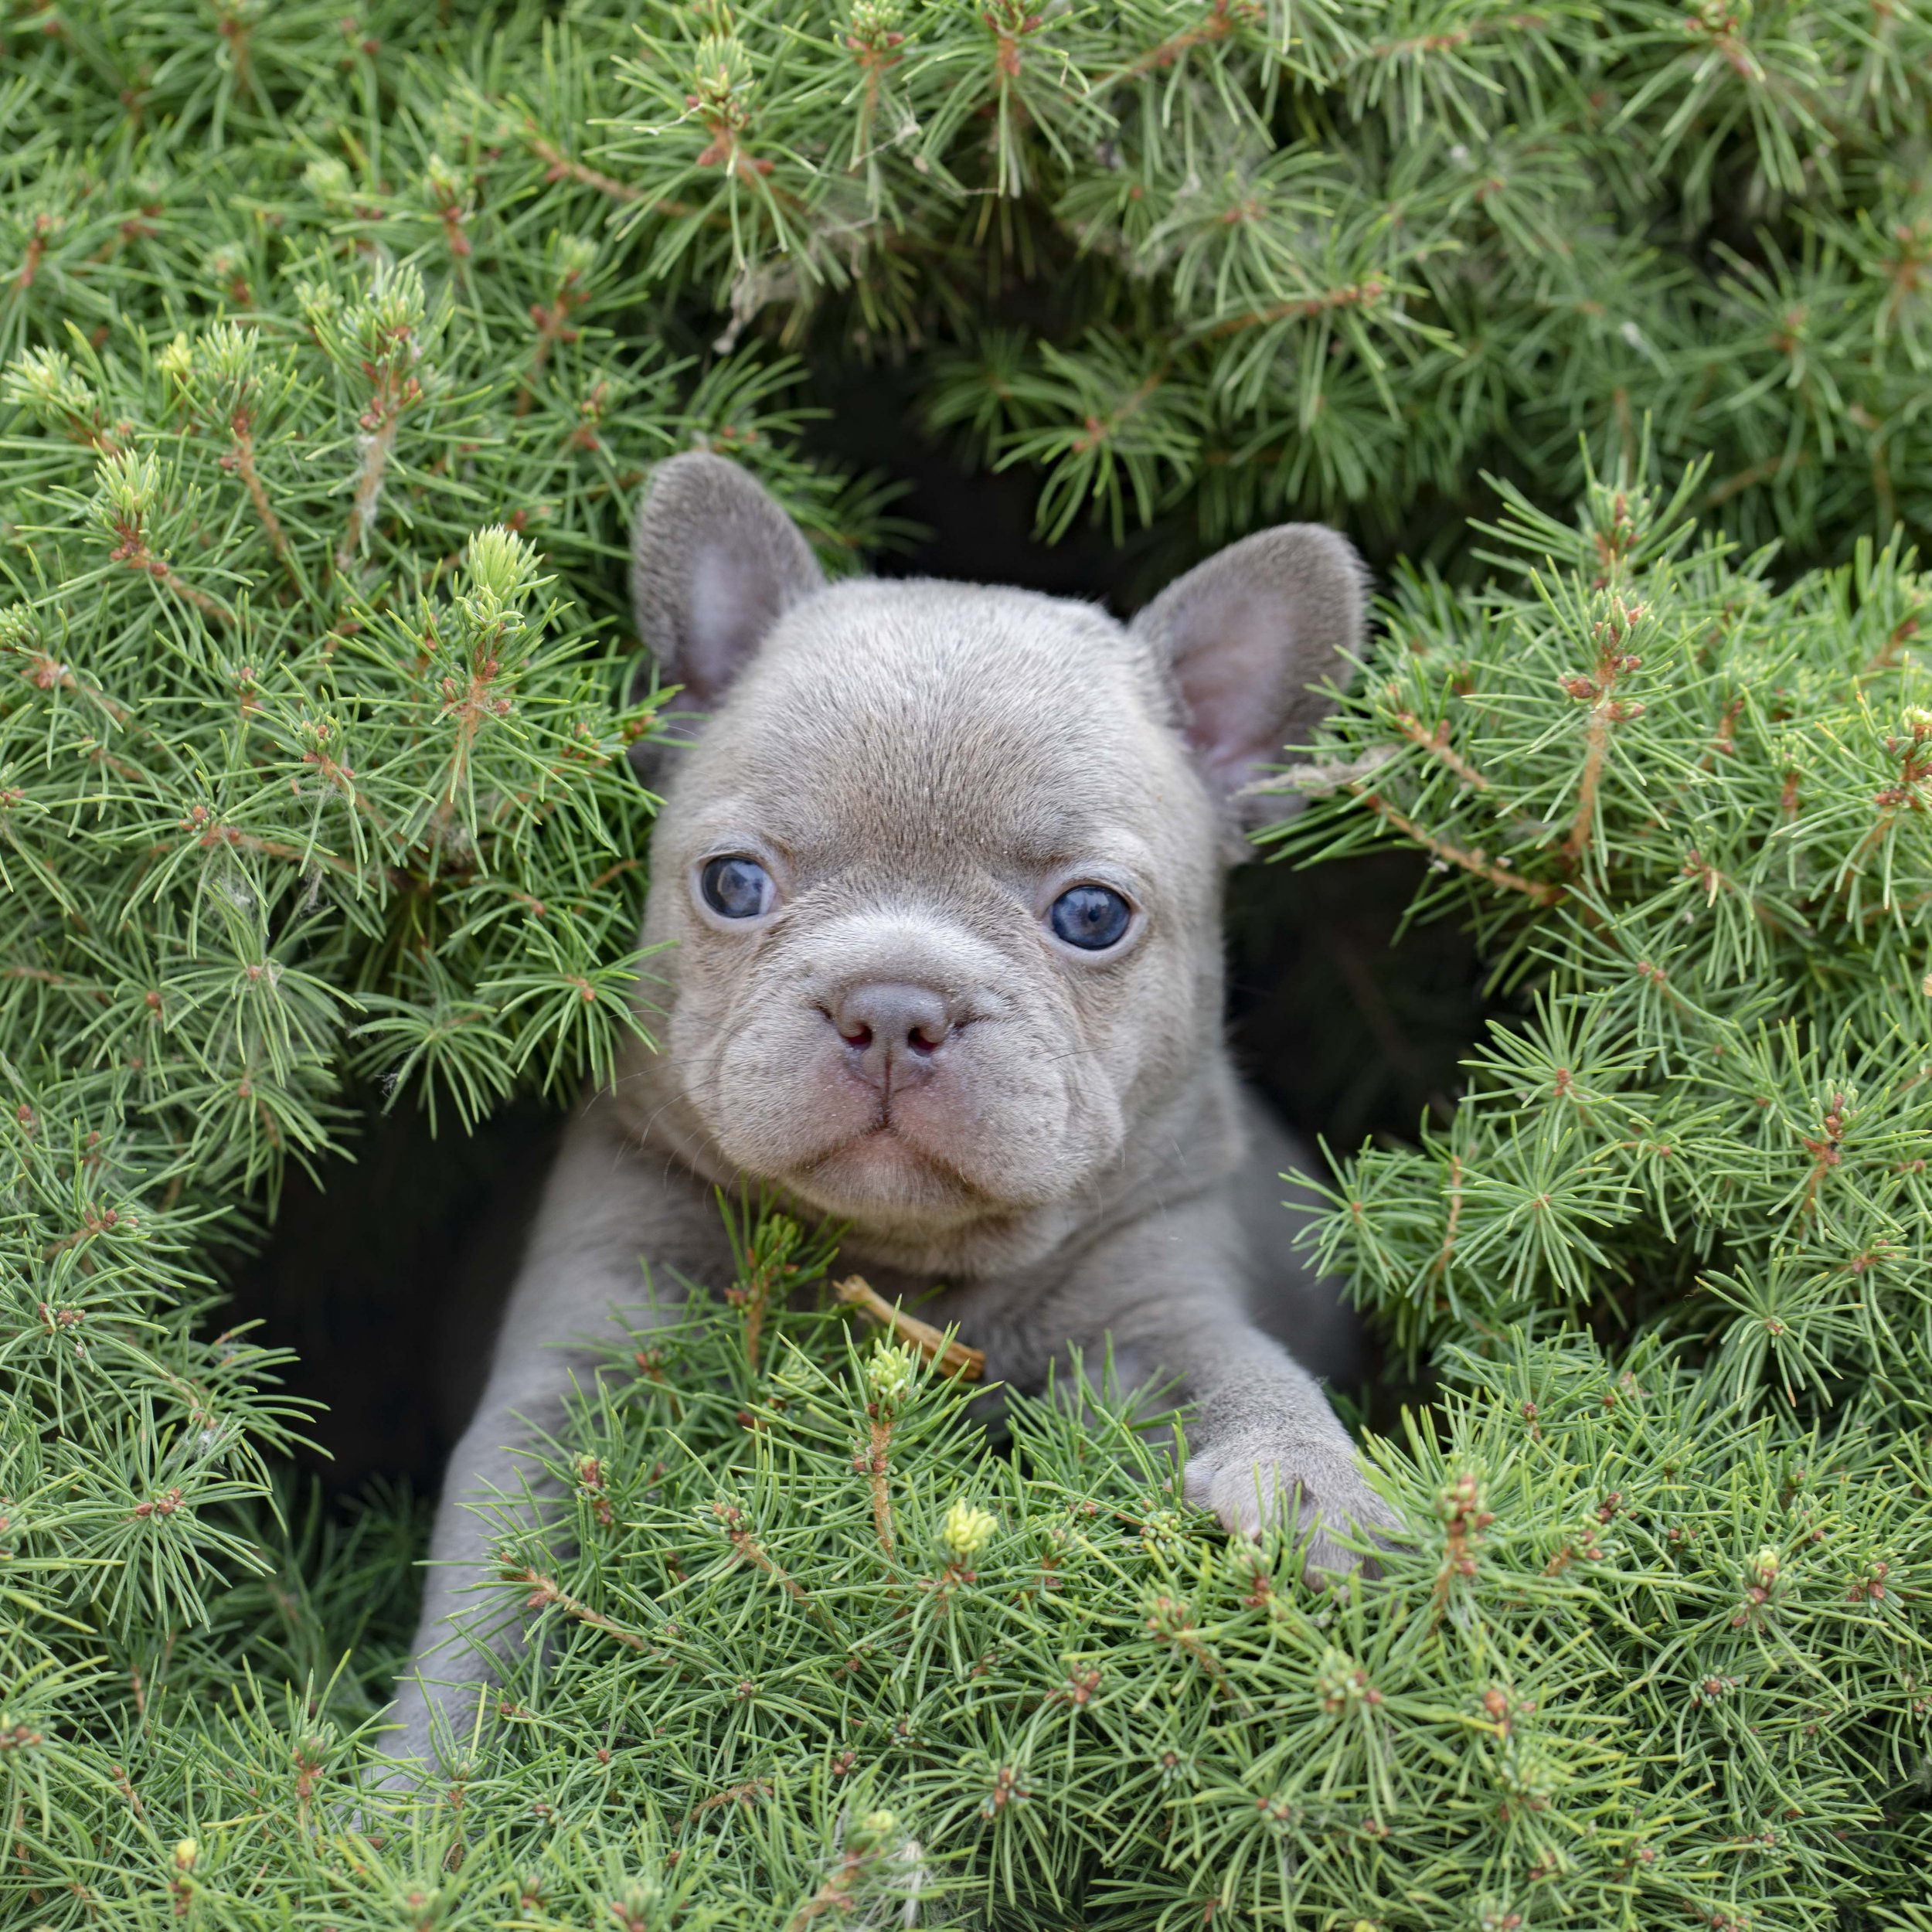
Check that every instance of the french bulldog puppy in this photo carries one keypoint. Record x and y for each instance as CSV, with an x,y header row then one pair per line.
x,y
939,873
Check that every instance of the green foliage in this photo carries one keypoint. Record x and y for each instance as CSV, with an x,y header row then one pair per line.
x,y
1692,811
1338,256
337,340
812,1653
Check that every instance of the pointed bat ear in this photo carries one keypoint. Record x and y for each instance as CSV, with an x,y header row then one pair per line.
x,y
1246,636
715,563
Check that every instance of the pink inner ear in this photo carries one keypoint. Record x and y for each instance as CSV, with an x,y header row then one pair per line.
x,y
1230,681
727,613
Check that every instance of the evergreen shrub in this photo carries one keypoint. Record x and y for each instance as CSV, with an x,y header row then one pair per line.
x,y
337,338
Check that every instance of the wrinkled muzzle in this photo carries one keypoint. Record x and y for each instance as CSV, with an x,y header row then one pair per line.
x,y
901,1070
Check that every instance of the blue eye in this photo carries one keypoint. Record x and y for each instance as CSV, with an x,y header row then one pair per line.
x,y
737,887
1091,917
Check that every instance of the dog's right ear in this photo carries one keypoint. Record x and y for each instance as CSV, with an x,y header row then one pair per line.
x,y
715,563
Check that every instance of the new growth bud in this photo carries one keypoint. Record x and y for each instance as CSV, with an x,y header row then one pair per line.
x,y
327,180
501,566
890,1373
576,255
128,485
873,1831
966,1532
45,382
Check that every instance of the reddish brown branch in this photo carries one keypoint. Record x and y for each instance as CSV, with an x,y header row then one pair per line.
x,y
545,1591
241,461
563,168
1437,744
1476,862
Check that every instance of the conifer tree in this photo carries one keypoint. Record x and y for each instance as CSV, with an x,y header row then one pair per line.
x,y
336,342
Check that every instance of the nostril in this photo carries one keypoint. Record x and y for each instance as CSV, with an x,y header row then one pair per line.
x,y
888,1023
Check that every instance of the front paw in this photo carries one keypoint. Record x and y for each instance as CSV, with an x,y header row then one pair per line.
x,y
1258,1476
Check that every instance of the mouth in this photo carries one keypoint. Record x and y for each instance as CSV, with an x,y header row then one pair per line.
x,y
880,1170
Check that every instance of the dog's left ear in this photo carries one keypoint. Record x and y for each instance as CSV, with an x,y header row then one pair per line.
x,y
1247,637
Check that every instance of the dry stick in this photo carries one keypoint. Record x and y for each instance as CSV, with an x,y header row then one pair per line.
x,y
954,1357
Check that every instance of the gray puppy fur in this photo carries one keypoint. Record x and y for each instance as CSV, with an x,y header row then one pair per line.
x,y
900,1041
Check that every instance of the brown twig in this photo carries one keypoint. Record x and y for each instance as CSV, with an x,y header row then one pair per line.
x,y
1902,633
1098,429
133,551
1750,478
1596,749
877,1466
546,1590
1437,744
58,980
1222,18
1440,1267
744,1794
368,488
835,1895
954,1357
212,832
241,461
1536,890
1304,308
612,871
562,166
745,1546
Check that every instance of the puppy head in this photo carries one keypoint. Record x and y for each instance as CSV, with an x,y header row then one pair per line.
x,y
941,865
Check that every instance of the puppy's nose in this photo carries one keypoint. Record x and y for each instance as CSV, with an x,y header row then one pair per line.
x,y
894,1029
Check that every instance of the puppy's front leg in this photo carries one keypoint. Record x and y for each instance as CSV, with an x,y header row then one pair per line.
x,y
602,1211
1169,1292
1266,1443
